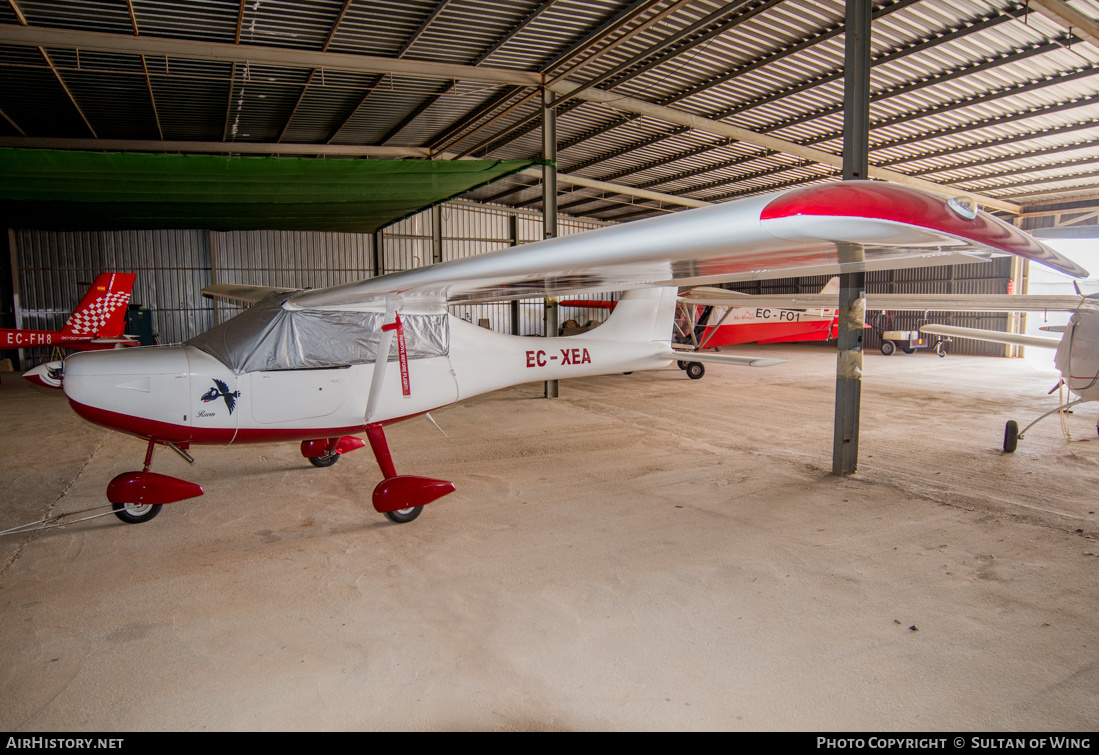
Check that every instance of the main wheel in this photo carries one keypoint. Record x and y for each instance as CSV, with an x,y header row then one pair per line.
x,y
1011,436
683,365
909,351
324,461
135,513
695,370
888,347
403,516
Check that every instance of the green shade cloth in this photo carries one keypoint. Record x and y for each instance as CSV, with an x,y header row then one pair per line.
x,y
59,189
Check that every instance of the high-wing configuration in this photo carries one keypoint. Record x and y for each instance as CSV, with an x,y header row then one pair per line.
x,y
320,366
97,323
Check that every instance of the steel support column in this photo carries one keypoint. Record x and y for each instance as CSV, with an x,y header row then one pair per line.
x,y
436,233
852,302
16,306
549,207
513,240
379,260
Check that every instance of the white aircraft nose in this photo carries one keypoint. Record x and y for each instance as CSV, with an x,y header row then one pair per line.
x,y
143,391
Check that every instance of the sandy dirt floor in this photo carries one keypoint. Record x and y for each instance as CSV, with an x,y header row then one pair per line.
x,y
645,552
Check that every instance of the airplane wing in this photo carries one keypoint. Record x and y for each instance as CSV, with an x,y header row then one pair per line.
x,y
238,292
891,302
993,336
826,229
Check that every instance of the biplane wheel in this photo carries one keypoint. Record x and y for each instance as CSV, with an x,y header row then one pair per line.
x,y
695,370
941,353
135,513
909,351
683,365
888,347
403,516
324,461
1011,436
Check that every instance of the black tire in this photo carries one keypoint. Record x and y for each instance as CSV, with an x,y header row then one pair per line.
x,y
941,352
403,516
888,347
1011,436
909,351
695,370
683,365
324,461
136,513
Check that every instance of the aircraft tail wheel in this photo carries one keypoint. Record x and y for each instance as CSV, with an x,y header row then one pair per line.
x,y
888,347
135,513
402,516
1011,436
695,370
324,461
941,353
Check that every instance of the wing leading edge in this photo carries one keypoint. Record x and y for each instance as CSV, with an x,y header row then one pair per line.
x,y
833,228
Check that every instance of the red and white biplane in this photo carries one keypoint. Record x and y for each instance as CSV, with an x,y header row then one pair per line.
x,y
320,366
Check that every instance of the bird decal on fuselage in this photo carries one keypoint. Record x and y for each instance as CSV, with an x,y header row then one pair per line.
x,y
221,390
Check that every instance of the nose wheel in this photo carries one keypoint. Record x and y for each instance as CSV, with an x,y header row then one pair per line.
x,y
135,513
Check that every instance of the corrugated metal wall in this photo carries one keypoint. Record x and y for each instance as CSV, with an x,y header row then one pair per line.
x,y
54,268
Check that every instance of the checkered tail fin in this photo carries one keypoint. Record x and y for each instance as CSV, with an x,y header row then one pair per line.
x,y
102,311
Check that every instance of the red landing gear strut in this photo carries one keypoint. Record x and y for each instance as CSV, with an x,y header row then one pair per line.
x,y
399,497
137,496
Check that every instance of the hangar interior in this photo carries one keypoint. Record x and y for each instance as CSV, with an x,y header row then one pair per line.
x,y
627,110
658,106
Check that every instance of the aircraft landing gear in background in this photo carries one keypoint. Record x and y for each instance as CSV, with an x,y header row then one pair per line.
x,y
694,370
1012,433
324,461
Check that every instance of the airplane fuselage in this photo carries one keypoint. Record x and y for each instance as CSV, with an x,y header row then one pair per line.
x,y
183,395
1078,354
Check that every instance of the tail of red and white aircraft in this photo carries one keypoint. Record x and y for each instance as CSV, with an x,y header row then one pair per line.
x,y
98,322
101,314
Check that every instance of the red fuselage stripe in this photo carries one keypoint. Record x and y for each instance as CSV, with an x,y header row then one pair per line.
x,y
149,429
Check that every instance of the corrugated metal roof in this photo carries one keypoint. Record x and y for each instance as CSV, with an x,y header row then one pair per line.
x,y
990,96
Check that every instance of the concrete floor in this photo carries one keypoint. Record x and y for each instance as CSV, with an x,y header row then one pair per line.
x,y
646,552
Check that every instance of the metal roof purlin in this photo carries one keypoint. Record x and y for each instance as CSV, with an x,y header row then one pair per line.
x,y
184,48
1060,12
742,134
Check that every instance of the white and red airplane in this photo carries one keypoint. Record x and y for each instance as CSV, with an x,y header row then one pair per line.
x,y
320,366
97,323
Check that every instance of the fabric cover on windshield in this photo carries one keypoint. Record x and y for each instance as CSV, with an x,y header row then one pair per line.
x,y
267,337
